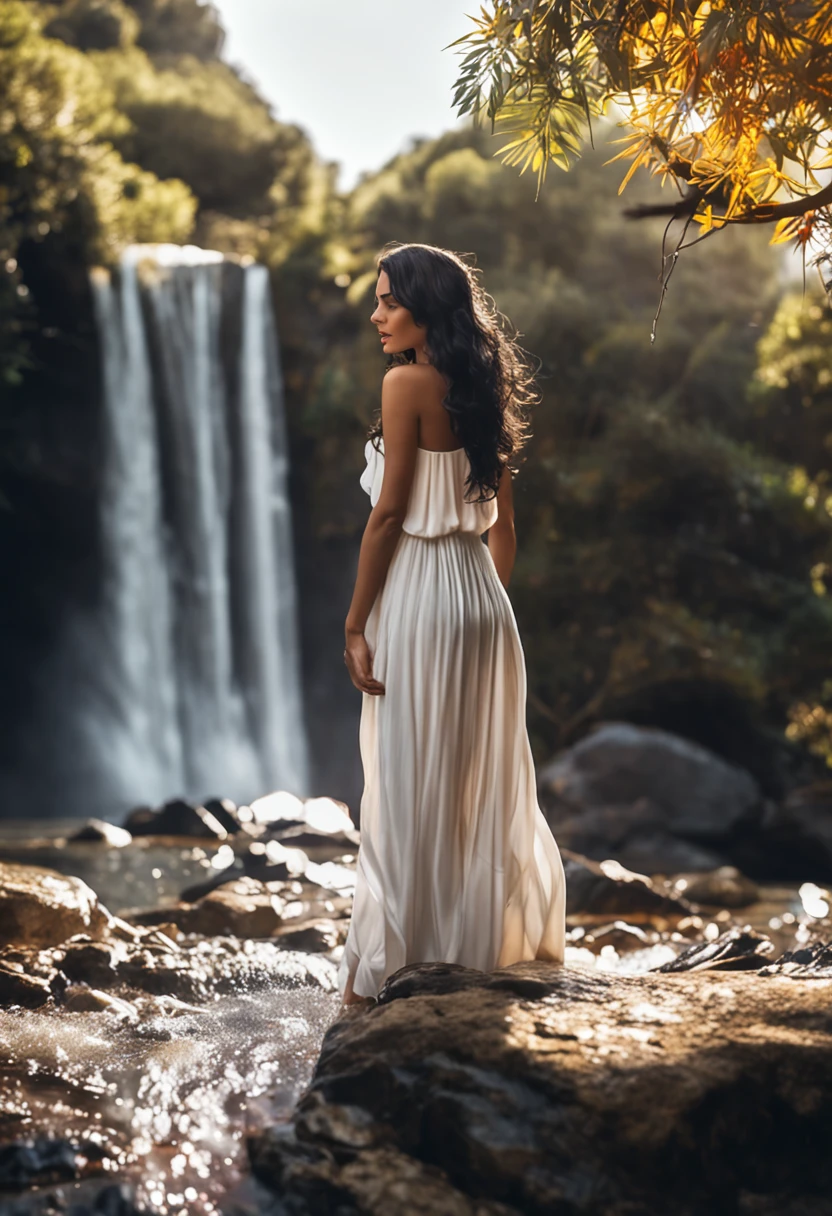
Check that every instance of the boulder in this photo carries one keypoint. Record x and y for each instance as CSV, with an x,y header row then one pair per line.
x,y
40,907
43,1160
722,888
604,889
698,794
807,962
622,936
98,831
737,949
91,1000
244,907
320,844
113,1199
540,1089
228,815
175,818
313,936
19,988
267,861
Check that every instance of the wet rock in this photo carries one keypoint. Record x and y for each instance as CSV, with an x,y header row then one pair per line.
x,y
281,810
738,949
19,988
227,814
264,861
313,937
176,818
195,969
807,962
271,861
92,1000
723,888
198,890
621,936
198,970
541,1089
98,831
138,819
40,907
245,907
43,1160
112,1200
608,888
94,963
320,844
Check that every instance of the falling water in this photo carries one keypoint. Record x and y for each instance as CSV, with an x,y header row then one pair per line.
x,y
200,651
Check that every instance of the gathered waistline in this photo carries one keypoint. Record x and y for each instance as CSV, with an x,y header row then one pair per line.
x,y
458,532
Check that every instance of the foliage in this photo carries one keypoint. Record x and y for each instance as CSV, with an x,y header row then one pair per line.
x,y
62,177
727,100
94,25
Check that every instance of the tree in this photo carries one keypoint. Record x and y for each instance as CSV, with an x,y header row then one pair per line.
x,y
728,101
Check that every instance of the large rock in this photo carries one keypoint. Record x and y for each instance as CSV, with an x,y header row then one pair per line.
x,y
40,907
722,888
603,889
244,907
98,831
740,948
175,818
654,801
541,1089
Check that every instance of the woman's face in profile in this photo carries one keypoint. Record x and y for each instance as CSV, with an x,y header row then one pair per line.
x,y
396,327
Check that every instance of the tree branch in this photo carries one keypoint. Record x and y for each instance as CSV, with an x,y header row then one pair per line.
x,y
764,213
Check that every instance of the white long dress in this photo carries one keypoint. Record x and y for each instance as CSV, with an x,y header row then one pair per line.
x,y
457,863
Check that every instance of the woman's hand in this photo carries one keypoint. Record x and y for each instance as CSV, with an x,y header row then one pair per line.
x,y
359,663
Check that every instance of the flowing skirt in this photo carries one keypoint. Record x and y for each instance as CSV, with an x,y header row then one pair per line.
x,y
457,863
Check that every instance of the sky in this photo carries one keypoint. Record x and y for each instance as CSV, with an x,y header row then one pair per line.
x,y
361,78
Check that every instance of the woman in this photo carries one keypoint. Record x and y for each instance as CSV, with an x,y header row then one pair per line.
x,y
456,863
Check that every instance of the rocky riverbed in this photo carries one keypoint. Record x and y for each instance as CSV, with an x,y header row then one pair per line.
x,y
168,1041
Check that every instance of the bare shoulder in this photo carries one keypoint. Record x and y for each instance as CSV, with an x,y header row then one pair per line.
x,y
406,378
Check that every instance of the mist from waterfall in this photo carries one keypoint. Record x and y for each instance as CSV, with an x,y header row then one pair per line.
x,y
199,678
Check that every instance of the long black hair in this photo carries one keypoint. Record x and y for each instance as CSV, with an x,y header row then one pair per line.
x,y
490,381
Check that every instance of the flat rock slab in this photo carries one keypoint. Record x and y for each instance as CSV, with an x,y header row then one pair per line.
x,y
545,1089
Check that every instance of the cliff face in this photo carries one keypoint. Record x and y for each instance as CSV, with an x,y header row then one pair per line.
x,y
540,1089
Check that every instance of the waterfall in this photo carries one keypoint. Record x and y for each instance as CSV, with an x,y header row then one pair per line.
x,y
198,640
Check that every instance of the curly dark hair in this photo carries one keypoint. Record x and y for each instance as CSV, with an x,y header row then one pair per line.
x,y
490,380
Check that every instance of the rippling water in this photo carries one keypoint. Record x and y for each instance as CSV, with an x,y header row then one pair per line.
x,y
170,1098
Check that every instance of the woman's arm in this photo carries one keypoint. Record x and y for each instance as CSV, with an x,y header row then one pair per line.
x,y
502,541
400,395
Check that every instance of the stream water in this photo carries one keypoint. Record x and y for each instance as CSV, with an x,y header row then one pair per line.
x,y
164,1099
